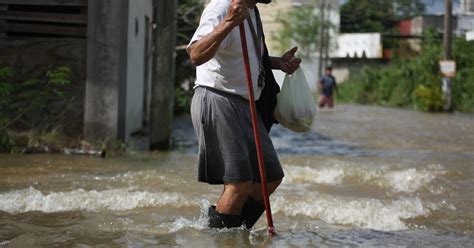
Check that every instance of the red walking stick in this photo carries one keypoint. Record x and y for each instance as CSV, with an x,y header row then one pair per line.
x,y
253,112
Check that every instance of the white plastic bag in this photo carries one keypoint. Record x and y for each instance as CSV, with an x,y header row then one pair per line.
x,y
295,107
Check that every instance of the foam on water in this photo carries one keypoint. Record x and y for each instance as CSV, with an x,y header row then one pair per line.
x,y
2,243
409,180
363,212
31,199
181,222
297,174
200,223
395,179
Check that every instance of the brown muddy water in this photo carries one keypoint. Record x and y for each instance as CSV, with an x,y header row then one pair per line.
x,y
366,176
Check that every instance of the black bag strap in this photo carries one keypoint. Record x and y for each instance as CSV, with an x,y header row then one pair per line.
x,y
256,34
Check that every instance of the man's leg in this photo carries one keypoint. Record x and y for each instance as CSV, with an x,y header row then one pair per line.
x,y
233,197
322,101
228,210
254,207
330,102
257,194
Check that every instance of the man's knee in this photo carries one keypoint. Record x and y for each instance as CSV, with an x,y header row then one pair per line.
x,y
272,186
257,189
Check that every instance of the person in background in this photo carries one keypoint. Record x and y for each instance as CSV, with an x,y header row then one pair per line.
x,y
327,85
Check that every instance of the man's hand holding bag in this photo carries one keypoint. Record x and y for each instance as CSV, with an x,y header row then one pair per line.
x,y
295,107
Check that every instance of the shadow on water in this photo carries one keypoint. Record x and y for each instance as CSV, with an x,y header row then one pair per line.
x,y
286,142
313,143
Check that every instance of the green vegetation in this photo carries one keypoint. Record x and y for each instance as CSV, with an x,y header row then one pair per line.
x,y
416,82
189,12
300,25
182,100
362,16
380,16
24,104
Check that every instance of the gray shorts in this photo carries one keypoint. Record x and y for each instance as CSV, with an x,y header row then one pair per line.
x,y
227,150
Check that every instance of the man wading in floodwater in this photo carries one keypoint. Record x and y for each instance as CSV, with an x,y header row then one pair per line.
x,y
221,114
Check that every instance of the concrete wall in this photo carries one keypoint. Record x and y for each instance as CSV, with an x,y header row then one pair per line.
x,y
106,69
32,57
119,46
137,63
162,90
32,46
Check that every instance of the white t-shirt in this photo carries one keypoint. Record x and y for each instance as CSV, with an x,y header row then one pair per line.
x,y
225,71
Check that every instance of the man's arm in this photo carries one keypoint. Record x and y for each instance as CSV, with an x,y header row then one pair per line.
x,y
204,49
287,63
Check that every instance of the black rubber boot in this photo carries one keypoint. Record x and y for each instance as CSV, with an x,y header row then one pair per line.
x,y
218,220
251,212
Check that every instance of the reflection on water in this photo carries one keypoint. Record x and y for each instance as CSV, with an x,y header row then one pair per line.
x,y
365,176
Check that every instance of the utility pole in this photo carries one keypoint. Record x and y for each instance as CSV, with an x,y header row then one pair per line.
x,y
327,35
447,41
322,9
163,73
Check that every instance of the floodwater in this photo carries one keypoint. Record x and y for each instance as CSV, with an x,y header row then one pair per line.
x,y
366,176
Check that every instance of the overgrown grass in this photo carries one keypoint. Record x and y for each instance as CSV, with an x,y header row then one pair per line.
x,y
416,82
24,104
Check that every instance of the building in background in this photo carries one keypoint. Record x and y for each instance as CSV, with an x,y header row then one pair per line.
x,y
359,45
467,6
354,51
118,68
106,44
269,14
470,36
463,23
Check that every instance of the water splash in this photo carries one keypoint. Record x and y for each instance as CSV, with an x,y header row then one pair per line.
x,y
409,180
31,199
181,222
200,223
364,213
297,174
405,180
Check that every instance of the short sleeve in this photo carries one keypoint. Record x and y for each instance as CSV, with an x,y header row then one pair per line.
x,y
211,17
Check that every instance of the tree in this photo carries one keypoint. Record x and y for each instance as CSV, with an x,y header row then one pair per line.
x,y
409,8
361,16
300,25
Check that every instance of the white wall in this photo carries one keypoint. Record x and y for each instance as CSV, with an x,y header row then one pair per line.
x,y
355,45
470,36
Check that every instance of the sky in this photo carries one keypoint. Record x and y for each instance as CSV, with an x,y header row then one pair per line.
x,y
432,6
